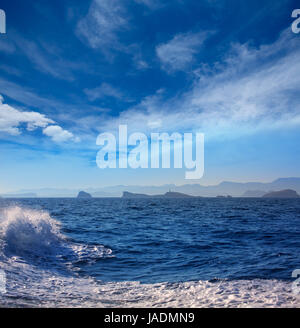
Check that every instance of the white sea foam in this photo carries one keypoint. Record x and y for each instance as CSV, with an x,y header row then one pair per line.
x,y
59,291
33,253
33,234
39,261
28,231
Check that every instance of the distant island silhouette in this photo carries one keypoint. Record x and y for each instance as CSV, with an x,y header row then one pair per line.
x,y
288,193
83,194
168,194
234,189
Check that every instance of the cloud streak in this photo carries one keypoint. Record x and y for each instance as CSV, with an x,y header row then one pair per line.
x,y
250,89
100,27
48,60
151,4
104,90
179,52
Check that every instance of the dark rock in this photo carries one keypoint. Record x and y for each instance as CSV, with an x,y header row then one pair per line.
x,y
169,194
288,193
83,194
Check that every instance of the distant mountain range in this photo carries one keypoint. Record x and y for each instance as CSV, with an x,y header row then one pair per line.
x,y
254,193
235,189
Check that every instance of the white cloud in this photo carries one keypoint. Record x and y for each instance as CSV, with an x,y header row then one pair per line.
x,y
12,120
105,24
251,89
256,86
179,52
104,90
58,134
100,26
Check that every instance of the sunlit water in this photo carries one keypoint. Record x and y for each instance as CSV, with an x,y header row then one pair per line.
x,y
154,252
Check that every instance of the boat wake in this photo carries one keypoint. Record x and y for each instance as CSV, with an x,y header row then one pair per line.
x,y
41,270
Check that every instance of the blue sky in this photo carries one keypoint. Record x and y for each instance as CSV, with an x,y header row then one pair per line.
x,y
70,70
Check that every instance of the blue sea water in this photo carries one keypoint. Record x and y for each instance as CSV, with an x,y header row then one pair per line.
x,y
149,252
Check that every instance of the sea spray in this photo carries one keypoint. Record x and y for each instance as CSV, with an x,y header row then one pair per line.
x,y
75,270
29,231
33,235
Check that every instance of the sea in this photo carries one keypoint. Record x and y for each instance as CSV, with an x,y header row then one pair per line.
x,y
193,252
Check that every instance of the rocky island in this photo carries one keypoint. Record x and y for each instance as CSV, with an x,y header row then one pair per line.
x,y
288,193
169,194
84,195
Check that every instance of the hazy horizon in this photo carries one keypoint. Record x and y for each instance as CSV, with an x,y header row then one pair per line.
x,y
233,188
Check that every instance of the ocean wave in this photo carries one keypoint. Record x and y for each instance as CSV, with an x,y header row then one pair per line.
x,y
34,237
40,266
26,231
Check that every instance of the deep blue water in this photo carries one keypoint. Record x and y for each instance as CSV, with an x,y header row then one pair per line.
x,y
175,240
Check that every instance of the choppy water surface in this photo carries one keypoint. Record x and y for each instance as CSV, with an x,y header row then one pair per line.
x,y
154,252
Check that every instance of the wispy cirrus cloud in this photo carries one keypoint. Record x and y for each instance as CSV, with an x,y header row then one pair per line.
x,y
152,4
107,26
10,70
100,27
47,59
44,57
60,110
6,46
250,89
179,52
103,91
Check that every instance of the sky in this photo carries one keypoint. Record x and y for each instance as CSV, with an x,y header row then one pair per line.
x,y
70,70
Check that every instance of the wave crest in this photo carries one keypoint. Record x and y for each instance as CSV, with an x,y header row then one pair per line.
x,y
29,231
33,235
